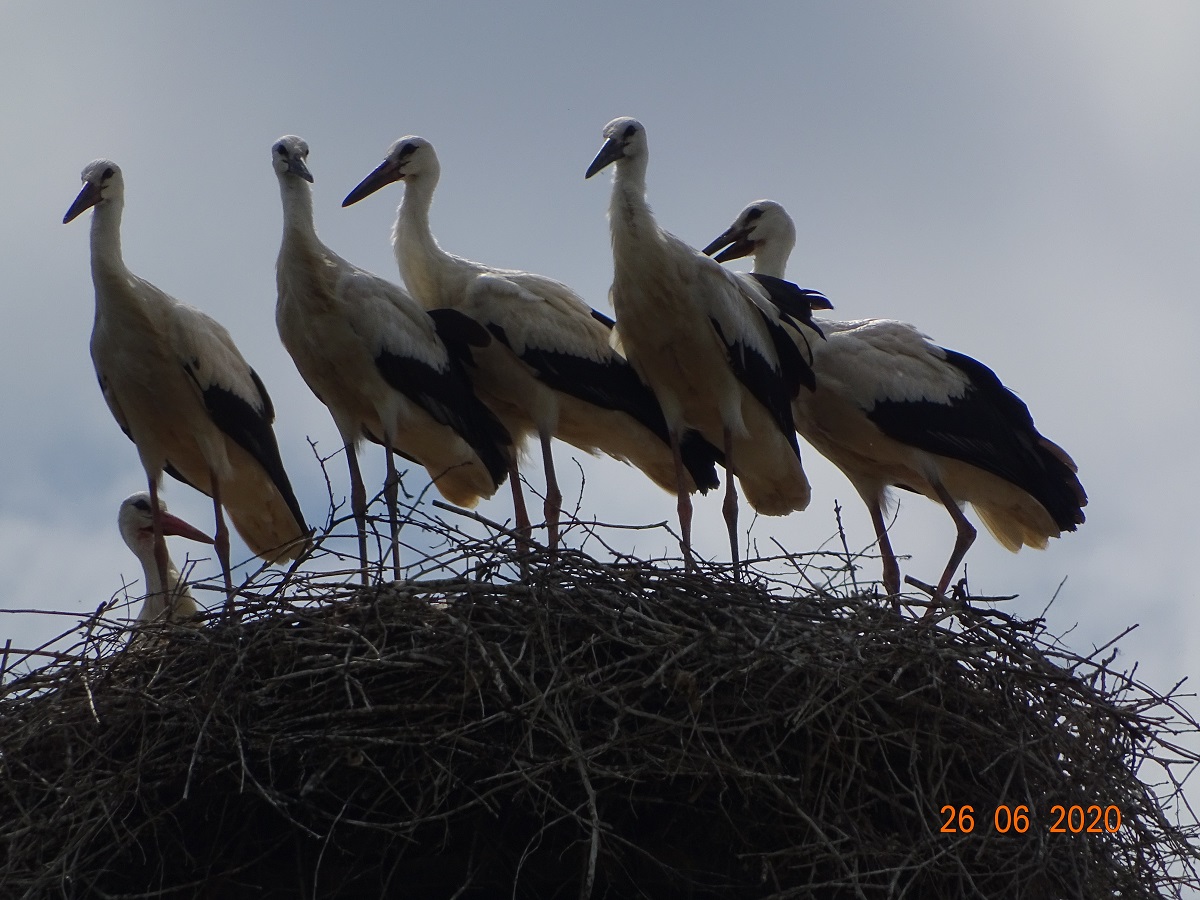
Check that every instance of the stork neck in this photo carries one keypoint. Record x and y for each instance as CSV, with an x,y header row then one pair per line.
x,y
106,240
771,259
629,183
630,216
154,585
298,222
156,591
426,268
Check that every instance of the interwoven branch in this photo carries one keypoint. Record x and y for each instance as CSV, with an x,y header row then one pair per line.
x,y
504,725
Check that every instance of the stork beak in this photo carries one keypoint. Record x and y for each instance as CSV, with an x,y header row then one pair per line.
x,y
175,525
297,167
383,175
735,243
88,197
612,150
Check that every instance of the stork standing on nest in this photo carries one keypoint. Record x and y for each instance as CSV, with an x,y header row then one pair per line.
x,y
709,344
181,391
388,370
892,408
552,370
170,600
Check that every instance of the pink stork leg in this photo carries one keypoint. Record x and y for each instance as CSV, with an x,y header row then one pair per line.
x,y
520,513
160,542
966,537
891,568
358,506
553,505
391,491
684,503
730,506
221,540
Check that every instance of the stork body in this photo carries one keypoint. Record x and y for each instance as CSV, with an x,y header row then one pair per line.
x,y
168,600
708,344
386,369
892,408
180,389
552,370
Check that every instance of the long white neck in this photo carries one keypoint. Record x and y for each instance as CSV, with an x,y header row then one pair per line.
x,y
638,243
106,241
299,229
771,257
434,277
156,597
154,584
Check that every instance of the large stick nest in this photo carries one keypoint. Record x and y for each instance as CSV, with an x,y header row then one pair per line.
x,y
571,728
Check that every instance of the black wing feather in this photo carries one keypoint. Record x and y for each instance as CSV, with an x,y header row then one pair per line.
x,y
771,387
458,330
989,427
794,368
447,394
791,298
613,384
250,428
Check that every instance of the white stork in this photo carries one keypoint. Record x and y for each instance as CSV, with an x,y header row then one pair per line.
x,y
552,369
387,370
182,392
709,345
892,408
170,600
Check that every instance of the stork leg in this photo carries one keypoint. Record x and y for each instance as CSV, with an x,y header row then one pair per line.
x,y
730,506
684,504
553,505
160,542
891,568
221,540
358,506
391,491
966,537
520,513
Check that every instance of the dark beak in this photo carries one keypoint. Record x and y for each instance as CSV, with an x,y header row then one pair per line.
x,y
175,525
385,173
612,150
297,167
88,197
735,243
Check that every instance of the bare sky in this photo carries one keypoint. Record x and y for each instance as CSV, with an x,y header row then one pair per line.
x,y
1020,180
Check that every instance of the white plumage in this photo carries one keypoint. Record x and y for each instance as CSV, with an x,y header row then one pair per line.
x,y
388,370
179,388
552,370
892,408
168,600
707,342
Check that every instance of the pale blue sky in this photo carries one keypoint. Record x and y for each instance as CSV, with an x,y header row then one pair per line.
x,y
1019,180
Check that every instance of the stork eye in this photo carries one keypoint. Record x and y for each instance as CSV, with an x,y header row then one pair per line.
x,y
108,173
143,505
408,150
630,131
281,149
753,214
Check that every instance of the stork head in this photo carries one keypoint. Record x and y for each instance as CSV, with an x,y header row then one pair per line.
x,y
624,138
408,159
136,521
289,156
102,183
762,226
